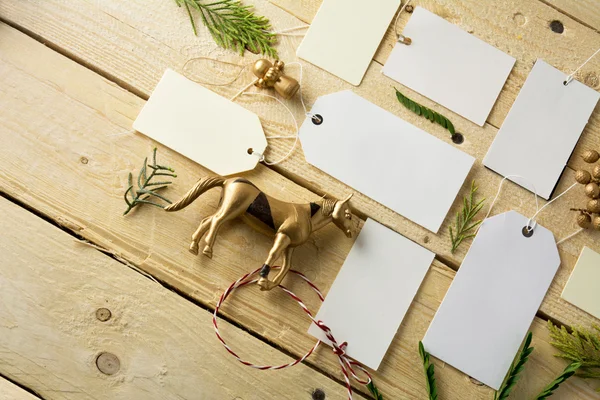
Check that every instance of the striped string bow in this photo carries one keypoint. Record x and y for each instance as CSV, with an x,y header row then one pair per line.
x,y
347,365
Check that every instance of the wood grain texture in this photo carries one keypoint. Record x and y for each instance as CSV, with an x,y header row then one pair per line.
x,y
142,38
586,11
9,391
50,338
62,120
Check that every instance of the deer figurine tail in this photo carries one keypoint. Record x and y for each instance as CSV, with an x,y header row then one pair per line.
x,y
199,188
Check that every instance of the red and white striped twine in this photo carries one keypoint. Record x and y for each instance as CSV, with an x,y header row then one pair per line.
x,y
347,365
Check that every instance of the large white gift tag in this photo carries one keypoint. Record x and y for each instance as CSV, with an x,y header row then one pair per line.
x,y
493,299
449,66
202,125
385,157
373,292
344,36
583,287
541,129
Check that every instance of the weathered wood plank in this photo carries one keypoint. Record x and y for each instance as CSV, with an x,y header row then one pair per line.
x,y
586,11
50,337
10,391
161,42
63,159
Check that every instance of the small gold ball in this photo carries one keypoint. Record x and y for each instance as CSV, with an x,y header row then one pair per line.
x,y
583,177
584,220
593,206
592,190
596,172
591,156
596,223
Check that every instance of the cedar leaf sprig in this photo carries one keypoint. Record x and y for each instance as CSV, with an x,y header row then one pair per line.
x,y
568,372
515,372
581,346
429,372
147,189
425,112
464,224
233,25
374,391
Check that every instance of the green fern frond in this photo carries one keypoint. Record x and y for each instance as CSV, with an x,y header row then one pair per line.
x,y
514,374
464,224
233,25
374,391
429,373
425,112
568,372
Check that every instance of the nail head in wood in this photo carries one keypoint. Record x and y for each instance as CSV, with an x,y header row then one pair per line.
x,y
108,363
83,160
103,314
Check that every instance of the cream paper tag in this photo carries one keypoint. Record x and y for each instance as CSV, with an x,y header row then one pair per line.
x,y
344,36
384,157
541,129
493,298
583,288
449,66
372,292
201,125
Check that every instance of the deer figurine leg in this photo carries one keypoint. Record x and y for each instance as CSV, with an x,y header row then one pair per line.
x,y
202,229
282,241
287,264
215,223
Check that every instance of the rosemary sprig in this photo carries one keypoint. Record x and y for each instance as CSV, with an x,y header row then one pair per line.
x,y
514,373
568,372
374,391
581,346
147,189
429,373
233,25
425,112
464,224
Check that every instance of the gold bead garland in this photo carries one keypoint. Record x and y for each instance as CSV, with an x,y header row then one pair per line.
x,y
590,216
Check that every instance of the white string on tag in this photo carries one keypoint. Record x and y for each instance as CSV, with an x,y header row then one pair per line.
x,y
572,74
531,222
243,91
288,31
401,38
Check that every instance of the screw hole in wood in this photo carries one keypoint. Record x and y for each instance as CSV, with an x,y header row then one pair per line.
x,y
557,26
318,394
458,138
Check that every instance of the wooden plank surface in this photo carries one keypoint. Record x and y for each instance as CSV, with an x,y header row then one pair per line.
x,y
51,339
10,391
161,41
585,11
64,117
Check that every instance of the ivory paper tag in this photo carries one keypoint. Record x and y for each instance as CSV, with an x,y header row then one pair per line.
x,y
373,292
344,36
583,288
449,66
384,157
541,129
492,301
201,125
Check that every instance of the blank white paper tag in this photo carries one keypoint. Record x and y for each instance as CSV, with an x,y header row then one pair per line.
x,y
492,301
541,129
583,288
373,292
201,125
385,157
344,36
449,66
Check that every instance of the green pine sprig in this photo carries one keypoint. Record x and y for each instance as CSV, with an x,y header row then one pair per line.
x,y
429,373
147,189
581,346
233,25
425,112
568,372
515,372
374,391
464,224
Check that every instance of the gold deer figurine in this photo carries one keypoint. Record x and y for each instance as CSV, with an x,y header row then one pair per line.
x,y
291,223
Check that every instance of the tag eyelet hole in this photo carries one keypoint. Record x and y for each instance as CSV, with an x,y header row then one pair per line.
x,y
527,231
250,150
317,119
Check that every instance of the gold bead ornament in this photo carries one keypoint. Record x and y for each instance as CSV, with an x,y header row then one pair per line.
x,y
592,190
270,75
591,156
590,216
583,177
584,220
